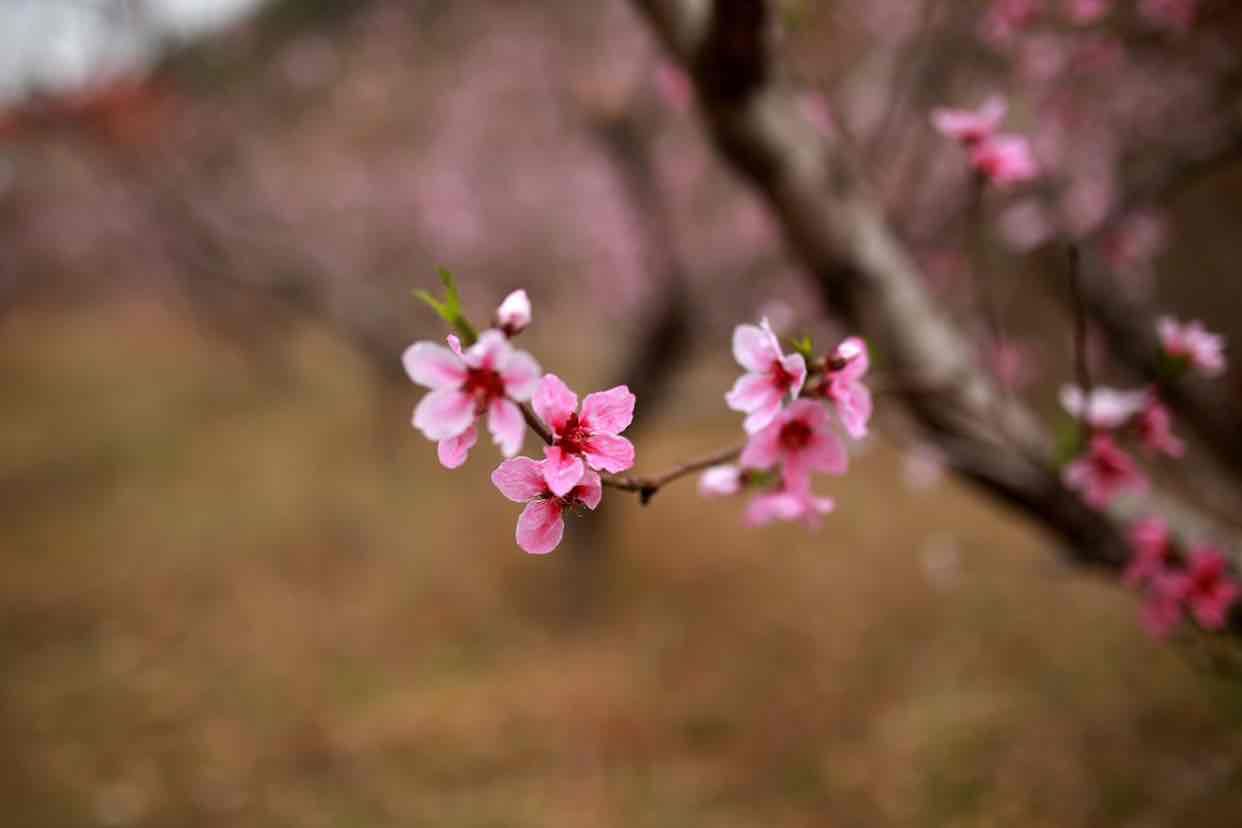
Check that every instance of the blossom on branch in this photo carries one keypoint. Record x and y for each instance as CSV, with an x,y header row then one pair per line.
x,y
800,441
770,375
844,388
1149,540
720,481
541,525
1103,407
1004,160
1103,473
1192,344
970,126
592,435
513,315
490,377
1156,430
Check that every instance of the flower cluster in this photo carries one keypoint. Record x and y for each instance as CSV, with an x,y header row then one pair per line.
x,y
1002,160
490,377
789,405
1173,580
1176,580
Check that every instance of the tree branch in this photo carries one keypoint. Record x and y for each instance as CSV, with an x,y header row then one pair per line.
x,y
834,224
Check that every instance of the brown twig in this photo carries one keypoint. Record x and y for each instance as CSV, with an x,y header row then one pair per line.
x,y
645,487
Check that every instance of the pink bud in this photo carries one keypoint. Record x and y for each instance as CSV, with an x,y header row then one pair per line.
x,y
513,315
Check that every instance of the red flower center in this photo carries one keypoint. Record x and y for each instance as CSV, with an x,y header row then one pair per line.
x,y
573,437
484,385
795,435
1109,466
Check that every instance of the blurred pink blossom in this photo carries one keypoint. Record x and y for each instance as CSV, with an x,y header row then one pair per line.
x,y
800,441
1005,160
720,480
1103,407
1150,549
970,126
1203,350
1103,473
843,386
770,375
788,504
1156,430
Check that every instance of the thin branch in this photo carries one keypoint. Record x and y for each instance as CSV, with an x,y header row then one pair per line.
x,y
645,487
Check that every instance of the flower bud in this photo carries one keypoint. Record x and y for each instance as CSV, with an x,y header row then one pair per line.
x,y
513,315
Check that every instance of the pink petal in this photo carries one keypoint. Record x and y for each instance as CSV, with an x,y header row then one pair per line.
x,y
554,402
520,375
590,490
540,527
752,392
854,408
826,453
854,350
609,452
520,479
561,470
454,451
761,417
795,366
491,351
763,448
504,421
769,507
755,348
1212,611
455,345
609,412
433,366
444,413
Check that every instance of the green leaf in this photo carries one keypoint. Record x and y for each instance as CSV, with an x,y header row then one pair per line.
x,y
803,346
449,309
1071,440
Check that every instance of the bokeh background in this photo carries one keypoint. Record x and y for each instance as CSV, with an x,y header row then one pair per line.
x,y
237,587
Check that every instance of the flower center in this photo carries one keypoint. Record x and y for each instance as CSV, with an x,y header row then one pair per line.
x,y
795,435
781,378
573,437
1108,466
484,385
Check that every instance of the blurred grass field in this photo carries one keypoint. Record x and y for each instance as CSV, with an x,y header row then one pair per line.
x,y
239,594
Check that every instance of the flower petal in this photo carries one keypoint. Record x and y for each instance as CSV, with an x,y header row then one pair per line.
x,y
554,402
433,366
562,470
826,453
444,413
853,407
609,412
589,491
504,421
752,392
491,351
763,416
854,351
795,366
755,348
540,527
520,375
520,479
763,448
609,452
454,451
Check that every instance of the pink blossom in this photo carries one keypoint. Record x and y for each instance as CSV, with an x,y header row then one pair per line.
x,y
721,480
1155,429
1103,407
674,87
1193,343
770,375
1209,590
1005,160
1149,540
1162,608
486,378
591,434
970,126
800,441
542,523
1005,18
513,315
1176,15
1087,11
843,386
1104,473
789,504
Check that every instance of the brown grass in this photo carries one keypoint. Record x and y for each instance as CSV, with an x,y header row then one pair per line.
x,y
240,595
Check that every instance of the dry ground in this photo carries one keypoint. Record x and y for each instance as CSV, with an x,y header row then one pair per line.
x,y
240,593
